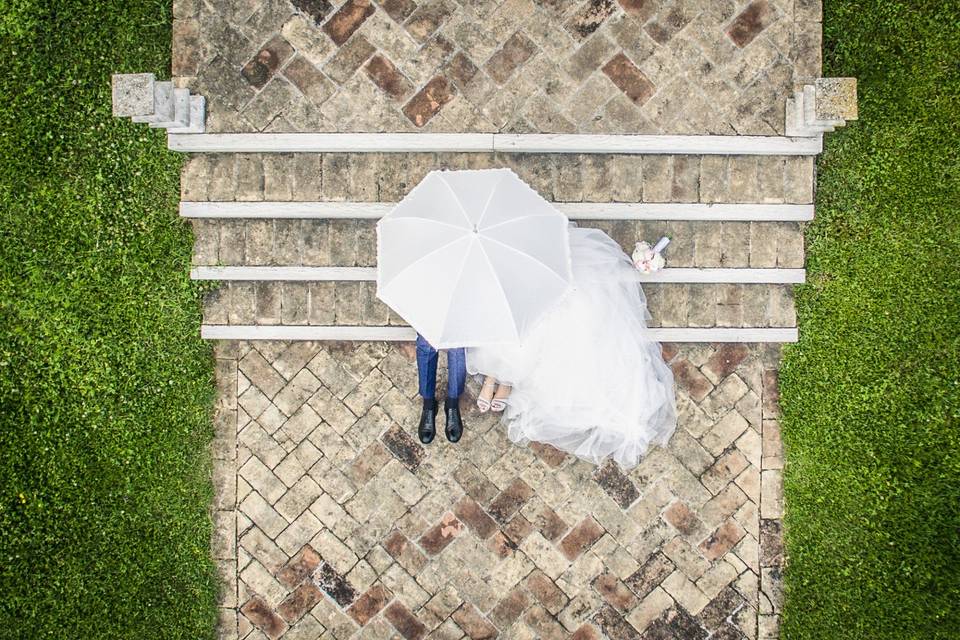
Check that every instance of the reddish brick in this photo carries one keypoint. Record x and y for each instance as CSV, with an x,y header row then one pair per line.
x,y
304,598
726,359
263,65
369,463
427,19
386,76
404,552
441,534
501,545
629,79
348,19
428,101
669,351
586,632
750,22
722,540
405,622
581,538
641,10
260,614
369,604
690,379
682,518
515,51
510,501
552,456
510,608
546,592
473,623
309,80
475,517
300,567
615,592
461,69
517,529
546,520
399,10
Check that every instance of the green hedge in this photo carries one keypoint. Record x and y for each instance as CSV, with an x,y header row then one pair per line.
x,y
105,386
871,394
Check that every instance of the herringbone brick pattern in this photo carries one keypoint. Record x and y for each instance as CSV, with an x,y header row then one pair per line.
x,y
621,66
333,521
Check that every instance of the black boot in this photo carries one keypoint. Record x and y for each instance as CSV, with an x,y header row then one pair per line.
x,y
454,422
428,421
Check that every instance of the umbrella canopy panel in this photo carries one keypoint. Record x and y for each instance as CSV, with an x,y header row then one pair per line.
x,y
470,258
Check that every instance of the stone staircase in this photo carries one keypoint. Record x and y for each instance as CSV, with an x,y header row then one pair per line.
x,y
140,97
292,237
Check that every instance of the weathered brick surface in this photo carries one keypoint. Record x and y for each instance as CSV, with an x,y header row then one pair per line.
x,y
601,66
346,527
388,177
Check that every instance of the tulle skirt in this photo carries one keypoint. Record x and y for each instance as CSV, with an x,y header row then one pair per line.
x,y
588,379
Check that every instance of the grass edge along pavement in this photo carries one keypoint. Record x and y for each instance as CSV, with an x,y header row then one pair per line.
x,y
870,396
105,386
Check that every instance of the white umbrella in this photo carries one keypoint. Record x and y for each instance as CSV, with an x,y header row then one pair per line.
x,y
472,258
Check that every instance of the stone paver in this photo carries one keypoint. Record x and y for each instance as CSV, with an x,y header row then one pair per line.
x,y
388,177
661,66
333,521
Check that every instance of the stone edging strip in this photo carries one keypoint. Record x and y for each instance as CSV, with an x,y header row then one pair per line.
x,y
739,212
369,274
405,334
487,142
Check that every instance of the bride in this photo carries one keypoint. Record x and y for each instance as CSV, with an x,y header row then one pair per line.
x,y
587,379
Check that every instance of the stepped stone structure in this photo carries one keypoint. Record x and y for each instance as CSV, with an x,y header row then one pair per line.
x,y
694,119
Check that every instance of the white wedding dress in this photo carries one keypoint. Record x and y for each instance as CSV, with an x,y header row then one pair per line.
x,y
587,378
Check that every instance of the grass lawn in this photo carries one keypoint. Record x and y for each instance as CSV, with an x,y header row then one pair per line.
x,y
871,394
105,386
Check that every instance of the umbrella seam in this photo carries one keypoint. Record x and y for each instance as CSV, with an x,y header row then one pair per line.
x,y
530,258
459,204
503,293
486,205
453,290
422,258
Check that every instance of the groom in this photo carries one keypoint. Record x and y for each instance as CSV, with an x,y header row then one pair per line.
x,y
427,358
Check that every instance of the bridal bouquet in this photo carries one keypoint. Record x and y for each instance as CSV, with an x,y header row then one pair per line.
x,y
649,259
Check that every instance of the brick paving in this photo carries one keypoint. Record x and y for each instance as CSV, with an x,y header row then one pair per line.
x,y
594,66
332,521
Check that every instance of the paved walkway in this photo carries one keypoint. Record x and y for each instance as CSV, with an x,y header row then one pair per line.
x,y
637,66
331,521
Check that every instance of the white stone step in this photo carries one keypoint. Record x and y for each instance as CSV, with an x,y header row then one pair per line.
x,y
198,116
369,274
404,334
487,142
164,108
746,212
181,111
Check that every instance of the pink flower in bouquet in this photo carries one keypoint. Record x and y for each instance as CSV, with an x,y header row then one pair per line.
x,y
648,259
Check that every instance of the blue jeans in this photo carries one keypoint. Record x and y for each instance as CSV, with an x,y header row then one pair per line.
x,y
427,358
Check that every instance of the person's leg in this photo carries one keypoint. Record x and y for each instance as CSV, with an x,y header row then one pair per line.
x,y
426,368
456,379
456,372
486,393
427,373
